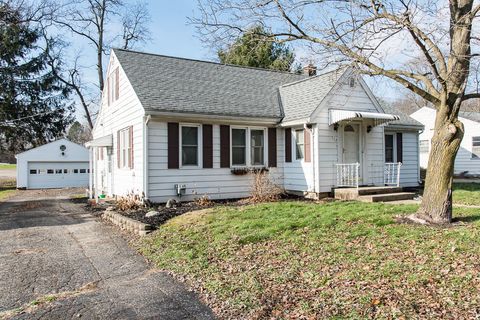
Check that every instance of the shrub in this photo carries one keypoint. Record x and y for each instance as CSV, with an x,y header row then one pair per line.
x,y
264,189
129,202
203,201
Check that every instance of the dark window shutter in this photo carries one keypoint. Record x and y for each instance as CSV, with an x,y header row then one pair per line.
x,y
118,149
117,83
307,144
288,145
130,136
399,147
207,138
224,146
272,147
173,147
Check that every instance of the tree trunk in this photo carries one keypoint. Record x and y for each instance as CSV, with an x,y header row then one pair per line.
x,y
436,205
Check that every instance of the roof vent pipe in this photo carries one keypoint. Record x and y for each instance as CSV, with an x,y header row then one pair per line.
x,y
310,70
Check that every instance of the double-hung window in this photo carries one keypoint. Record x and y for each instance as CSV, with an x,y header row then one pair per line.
x,y
389,151
125,148
476,147
299,144
239,147
189,150
248,147
257,147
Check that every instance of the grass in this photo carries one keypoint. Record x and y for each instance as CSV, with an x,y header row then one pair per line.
x,y
466,193
7,188
7,166
290,260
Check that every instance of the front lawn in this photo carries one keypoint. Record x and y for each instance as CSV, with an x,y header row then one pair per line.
x,y
466,193
291,260
7,166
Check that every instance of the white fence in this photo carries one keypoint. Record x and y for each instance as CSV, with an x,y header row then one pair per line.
x,y
391,176
348,174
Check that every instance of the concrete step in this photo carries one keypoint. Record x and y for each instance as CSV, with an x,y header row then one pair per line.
x,y
353,193
387,197
364,191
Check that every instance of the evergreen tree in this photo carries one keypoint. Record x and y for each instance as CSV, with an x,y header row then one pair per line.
x,y
254,49
79,133
33,105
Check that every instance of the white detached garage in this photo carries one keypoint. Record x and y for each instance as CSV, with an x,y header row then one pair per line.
x,y
59,164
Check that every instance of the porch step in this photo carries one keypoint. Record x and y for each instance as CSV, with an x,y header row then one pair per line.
x,y
354,193
387,197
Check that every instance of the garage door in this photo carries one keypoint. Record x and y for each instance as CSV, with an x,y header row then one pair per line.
x,y
57,174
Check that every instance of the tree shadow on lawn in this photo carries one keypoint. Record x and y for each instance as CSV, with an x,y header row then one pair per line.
x,y
466,219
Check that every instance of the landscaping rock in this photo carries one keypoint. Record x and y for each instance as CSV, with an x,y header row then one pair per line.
x,y
111,208
171,203
152,214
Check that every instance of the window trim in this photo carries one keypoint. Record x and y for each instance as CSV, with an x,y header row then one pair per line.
x,y
199,145
248,147
294,144
474,155
263,146
394,147
124,163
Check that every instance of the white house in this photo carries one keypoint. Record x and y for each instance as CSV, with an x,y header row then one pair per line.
x,y
468,157
171,127
58,164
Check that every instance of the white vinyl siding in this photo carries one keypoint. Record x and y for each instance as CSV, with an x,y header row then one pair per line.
x,y
464,162
424,146
125,112
216,182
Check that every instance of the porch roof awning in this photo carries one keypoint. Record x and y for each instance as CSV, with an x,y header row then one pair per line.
x,y
105,141
336,116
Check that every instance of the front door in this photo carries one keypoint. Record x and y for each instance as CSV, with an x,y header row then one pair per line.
x,y
351,143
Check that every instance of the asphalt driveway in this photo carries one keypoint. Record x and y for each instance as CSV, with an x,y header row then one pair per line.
x,y
59,262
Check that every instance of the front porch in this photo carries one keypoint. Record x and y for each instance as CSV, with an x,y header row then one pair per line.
x,y
349,184
373,194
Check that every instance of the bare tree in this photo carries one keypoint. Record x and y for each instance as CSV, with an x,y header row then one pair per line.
x,y
90,19
135,25
72,79
378,36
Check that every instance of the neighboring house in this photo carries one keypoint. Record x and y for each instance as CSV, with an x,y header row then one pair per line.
x,y
172,126
468,157
58,164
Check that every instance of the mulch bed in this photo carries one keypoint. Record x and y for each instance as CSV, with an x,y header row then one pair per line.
x,y
165,213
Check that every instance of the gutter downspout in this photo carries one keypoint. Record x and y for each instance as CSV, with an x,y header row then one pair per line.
x,y
145,156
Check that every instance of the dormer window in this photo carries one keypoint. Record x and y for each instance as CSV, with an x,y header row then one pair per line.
x,y
113,86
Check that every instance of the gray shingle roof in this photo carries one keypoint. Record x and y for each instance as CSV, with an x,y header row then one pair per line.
x,y
301,98
405,120
172,84
471,115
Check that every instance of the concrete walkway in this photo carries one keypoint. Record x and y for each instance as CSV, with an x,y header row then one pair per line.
x,y
50,246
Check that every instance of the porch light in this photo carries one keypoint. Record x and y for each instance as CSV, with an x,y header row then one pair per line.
x,y
335,126
369,128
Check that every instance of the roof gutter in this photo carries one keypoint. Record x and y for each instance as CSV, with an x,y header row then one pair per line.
x,y
212,119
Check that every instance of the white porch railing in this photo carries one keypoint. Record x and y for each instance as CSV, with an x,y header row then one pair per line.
x,y
391,176
348,174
